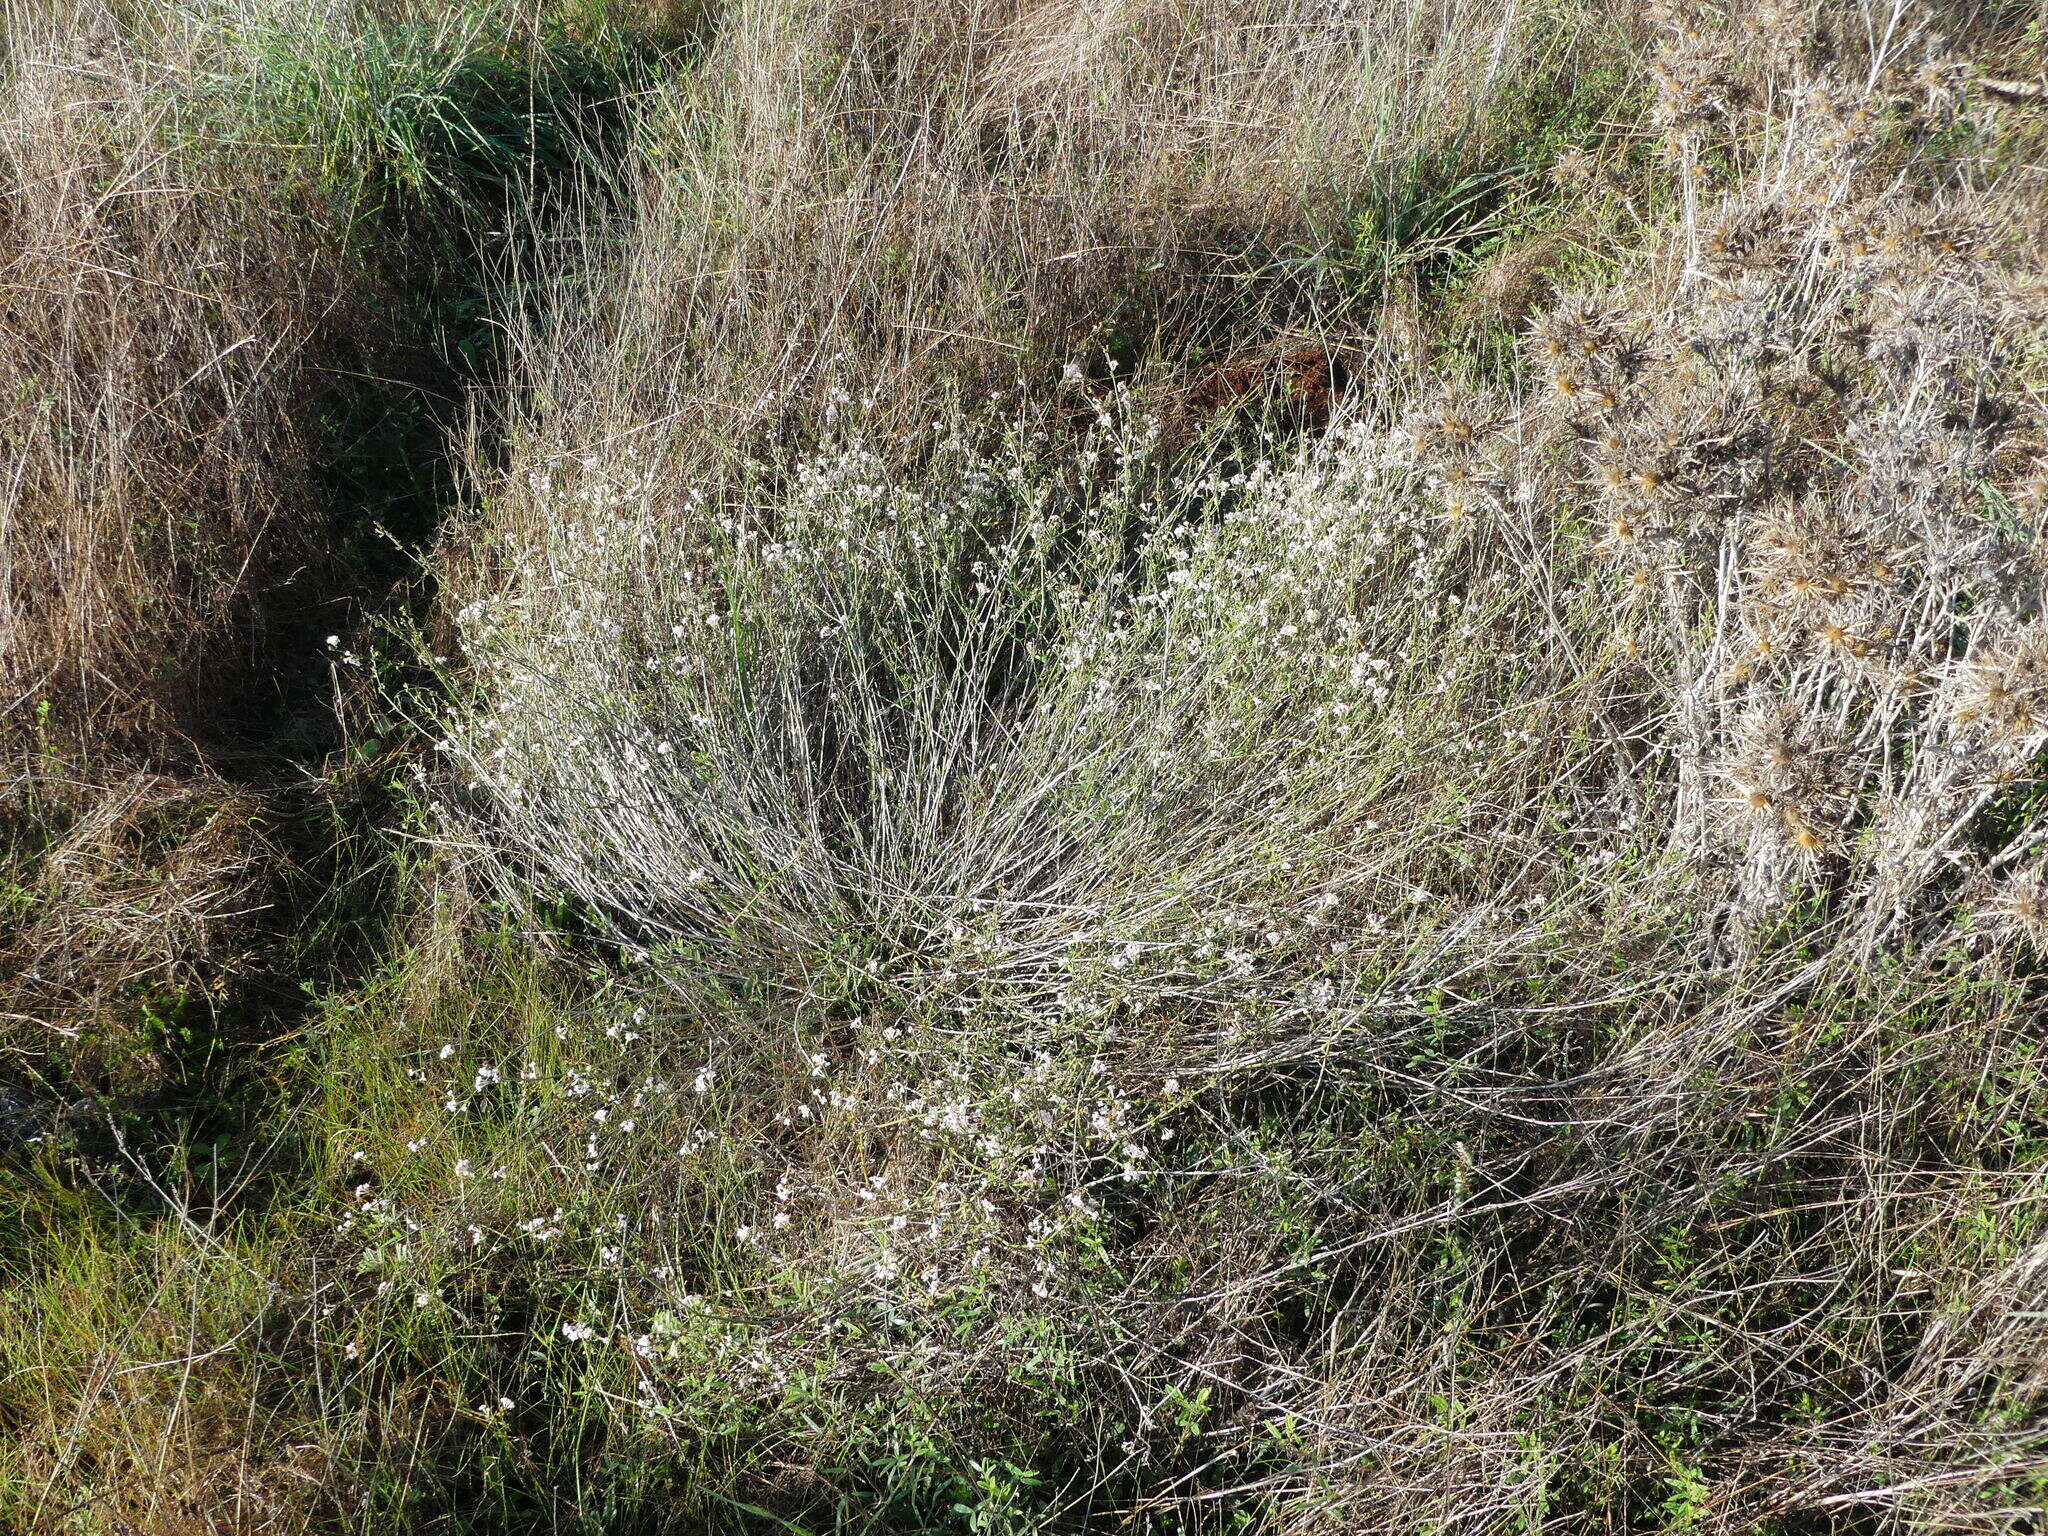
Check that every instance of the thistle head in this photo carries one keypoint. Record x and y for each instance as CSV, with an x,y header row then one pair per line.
x,y
2005,691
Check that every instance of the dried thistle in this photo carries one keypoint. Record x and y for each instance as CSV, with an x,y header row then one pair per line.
x,y
2005,691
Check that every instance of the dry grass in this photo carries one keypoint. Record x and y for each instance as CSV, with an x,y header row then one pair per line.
x,y
924,203
1103,862
227,303
146,905
161,302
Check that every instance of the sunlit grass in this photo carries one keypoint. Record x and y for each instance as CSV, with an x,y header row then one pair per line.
x,y
1167,769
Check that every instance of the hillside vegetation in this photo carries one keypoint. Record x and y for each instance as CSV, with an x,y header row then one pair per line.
x,y
1023,767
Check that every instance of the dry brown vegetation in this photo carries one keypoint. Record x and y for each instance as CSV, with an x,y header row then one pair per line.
x,y
1177,767
165,307
926,202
